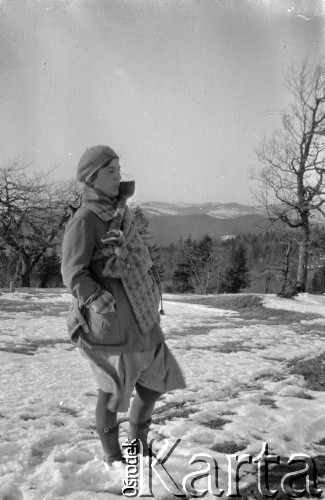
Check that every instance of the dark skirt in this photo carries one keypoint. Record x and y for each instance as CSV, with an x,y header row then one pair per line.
x,y
117,374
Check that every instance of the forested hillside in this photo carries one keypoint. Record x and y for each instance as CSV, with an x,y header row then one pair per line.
x,y
265,263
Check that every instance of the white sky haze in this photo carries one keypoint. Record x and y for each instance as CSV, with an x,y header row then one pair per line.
x,y
182,90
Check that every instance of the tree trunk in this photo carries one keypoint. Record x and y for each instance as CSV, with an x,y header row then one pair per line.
x,y
303,259
23,271
268,278
286,269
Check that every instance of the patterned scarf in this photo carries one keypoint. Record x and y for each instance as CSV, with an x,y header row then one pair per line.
x,y
129,260
99,203
123,246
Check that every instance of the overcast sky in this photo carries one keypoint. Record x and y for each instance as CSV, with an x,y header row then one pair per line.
x,y
183,90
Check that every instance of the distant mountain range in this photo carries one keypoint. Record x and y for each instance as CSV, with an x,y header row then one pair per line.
x,y
170,221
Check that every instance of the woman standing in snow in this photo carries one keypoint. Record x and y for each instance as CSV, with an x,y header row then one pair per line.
x,y
114,317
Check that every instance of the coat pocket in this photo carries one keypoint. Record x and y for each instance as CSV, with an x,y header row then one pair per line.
x,y
102,326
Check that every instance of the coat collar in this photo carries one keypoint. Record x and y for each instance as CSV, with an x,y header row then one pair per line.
x,y
99,203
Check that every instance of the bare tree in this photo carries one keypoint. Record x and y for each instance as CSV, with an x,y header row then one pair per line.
x,y
292,174
265,274
33,212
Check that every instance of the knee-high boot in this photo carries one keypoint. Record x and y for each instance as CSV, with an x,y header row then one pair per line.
x,y
110,444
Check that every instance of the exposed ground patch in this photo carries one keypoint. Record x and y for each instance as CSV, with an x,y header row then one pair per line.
x,y
69,411
268,402
172,410
215,423
234,302
228,447
276,474
251,308
31,347
313,371
195,330
33,308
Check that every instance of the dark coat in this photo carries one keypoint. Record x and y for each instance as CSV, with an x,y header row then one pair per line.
x,y
84,279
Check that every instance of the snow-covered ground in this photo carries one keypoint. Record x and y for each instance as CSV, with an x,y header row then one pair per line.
x,y
304,303
242,390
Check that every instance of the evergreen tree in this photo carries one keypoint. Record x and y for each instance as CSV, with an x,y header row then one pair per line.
x,y
168,257
204,249
236,275
197,267
181,277
142,224
202,268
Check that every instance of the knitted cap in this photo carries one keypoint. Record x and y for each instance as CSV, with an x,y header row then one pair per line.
x,y
92,160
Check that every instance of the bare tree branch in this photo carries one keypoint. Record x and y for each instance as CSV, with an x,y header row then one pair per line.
x,y
292,161
33,211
